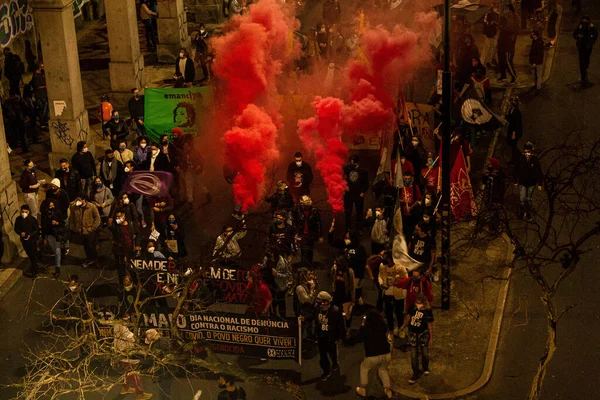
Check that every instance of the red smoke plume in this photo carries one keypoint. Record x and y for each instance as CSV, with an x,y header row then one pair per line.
x,y
251,145
322,136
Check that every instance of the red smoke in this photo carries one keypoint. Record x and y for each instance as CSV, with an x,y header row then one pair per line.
x,y
251,145
322,136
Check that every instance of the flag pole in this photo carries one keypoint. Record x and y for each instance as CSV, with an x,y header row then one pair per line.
x,y
446,132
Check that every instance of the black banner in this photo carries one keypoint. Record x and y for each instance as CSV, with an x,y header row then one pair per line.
x,y
230,283
161,272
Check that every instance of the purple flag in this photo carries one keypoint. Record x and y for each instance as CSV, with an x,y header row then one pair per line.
x,y
148,183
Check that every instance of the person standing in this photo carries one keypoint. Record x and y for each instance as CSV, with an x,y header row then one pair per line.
x,y
393,297
528,174
514,128
422,247
85,220
102,199
69,179
185,66
299,176
60,195
30,186
136,111
227,246
536,59
123,154
125,238
156,160
13,70
28,230
490,39
54,231
308,228
200,42
147,16
506,49
83,162
40,92
358,184
552,15
585,36
419,320
281,200
380,235
142,150
259,295
342,287
329,329
111,172
378,353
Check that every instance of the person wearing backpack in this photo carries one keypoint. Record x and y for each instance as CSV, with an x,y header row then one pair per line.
x,y
13,70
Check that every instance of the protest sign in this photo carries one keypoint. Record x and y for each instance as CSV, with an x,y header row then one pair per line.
x,y
161,272
230,283
168,108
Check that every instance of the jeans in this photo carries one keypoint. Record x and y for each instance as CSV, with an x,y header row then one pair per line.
x,y
327,350
150,38
381,362
31,199
86,186
393,306
506,64
537,76
139,207
140,130
525,195
414,358
30,247
56,248
89,245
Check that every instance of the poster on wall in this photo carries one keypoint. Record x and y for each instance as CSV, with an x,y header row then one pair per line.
x,y
78,6
168,108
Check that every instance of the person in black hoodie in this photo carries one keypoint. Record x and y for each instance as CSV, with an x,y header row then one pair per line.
x,y
329,329
528,174
83,162
281,199
27,228
585,36
356,255
54,231
536,59
299,176
358,184
309,230
69,179
378,353
515,128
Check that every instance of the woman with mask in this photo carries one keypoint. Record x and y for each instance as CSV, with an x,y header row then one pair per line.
x,y
259,295
430,174
141,151
174,238
416,154
54,231
102,199
342,287
355,255
419,320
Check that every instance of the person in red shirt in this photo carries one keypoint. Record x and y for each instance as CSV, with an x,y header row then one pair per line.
x,y
430,174
409,195
415,285
259,295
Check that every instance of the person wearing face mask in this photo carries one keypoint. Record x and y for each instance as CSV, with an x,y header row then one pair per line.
x,y
174,238
419,321
151,252
414,285
117,126
430,174
358,184
156,160
230,390
416,154
142,150
282,234
28,230
380,225
85,220
185,66
305,292
123,154
227,247
126,205
343,289
69,179
329,330
281,200
307,223
406,164
136,111
160,208
422,247
299,177
83,161
585,36
392,296
55,192
457,142
102,199
54,231
29,185
282,276
111,172
528,175
409,195
425,210
125,238
200,43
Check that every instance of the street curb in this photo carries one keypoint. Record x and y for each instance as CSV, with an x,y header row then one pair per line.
x,y
8,279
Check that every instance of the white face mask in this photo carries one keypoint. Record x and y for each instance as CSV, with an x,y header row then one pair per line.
x,y
85,150
24,215
154,153
126,201
78,203
202,31
427,202
143,145
415,143
377,213
72,288
119,221
347,241
127,169
182,55
150,249
420,306
299,163
426,218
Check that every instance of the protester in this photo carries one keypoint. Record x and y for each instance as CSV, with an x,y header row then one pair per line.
x,y
536,59
185,66
393,297
490,33
507,37
102,199
299,176
26,226
156,160
281,234
142,150
528,175
13,71
84,220
54,231
122,153
585,36
514,130
147,16
304,296
329,329
174,238
308,227
374,264
29,185
409,195
372,334
117,126
227,246
111,172
56,193
125,238
430,174
200,43
136,111
419,320
358,184
259,295
69,179
467,51
85,165
415,285
380,225
123,344
281,199
282,274
342,287
160,347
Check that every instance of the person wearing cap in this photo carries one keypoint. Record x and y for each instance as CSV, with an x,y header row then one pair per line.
x,y
281,199
329,329
528,175
60,195
26,226
30,186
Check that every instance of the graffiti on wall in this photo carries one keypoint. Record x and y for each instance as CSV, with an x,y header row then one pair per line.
x,y
16,18
77,7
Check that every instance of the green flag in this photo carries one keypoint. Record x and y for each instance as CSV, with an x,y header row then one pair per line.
x,y
168,108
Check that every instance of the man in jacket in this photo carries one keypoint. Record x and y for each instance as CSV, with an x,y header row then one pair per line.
x,y
13,70
358,184
506,50
30,186
83,162
111,172
85,221
585,36
329,329
136,110
308,229
28,230
299,176
528,174
157,160
185,66
536,59
125,239
69,179
38,82
60,195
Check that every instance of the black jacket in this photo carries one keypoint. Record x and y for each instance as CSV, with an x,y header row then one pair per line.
x,y
28,225
336,328
315,229
528,172
136,107
536,54
280,201
62,199
190,71
13,66
357,179
48,229
375,340
589,35
69,181
299,174
515,124
160,164
85,164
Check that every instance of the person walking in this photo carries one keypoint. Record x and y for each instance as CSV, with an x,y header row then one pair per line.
x,y
378,353
514,130
69,179
299,176
393,297
536,59
358,184
419,320
585,36
528,174
85,165
329,329
28,230
84,220
309,229
30,186
185,66
54,231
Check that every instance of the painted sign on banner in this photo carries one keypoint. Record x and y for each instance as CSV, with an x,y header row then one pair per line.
x,y
230,284
239,334
169,108
16,18
161,272
77,7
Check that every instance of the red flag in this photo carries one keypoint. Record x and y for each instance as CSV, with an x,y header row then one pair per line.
x,y
462,200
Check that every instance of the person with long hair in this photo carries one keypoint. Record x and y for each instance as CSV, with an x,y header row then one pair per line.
x,y
419,320
259,295
378,352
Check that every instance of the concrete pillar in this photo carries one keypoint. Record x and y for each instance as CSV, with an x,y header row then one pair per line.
x,y
126,61
172,30
70,125
9,203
